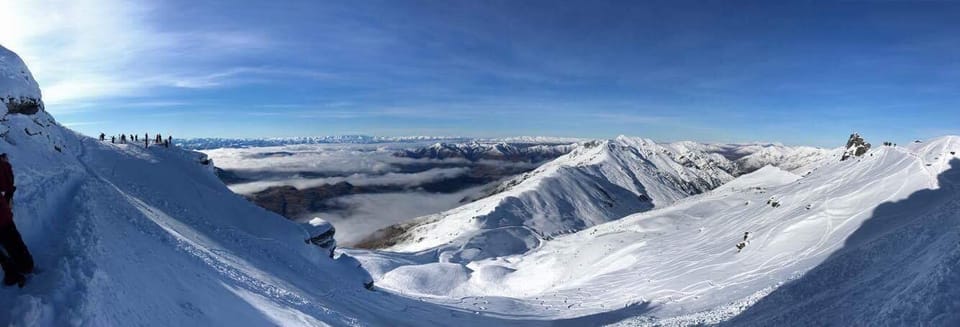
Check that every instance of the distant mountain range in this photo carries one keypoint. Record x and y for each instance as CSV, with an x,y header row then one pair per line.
x,y
215,143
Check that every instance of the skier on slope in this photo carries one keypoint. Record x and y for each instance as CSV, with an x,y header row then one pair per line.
x,y
15,258
103,137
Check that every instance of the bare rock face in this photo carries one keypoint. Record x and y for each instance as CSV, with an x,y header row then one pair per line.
x,y
856,147
25,106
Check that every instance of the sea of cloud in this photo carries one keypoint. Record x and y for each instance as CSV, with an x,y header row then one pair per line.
x,y
369,165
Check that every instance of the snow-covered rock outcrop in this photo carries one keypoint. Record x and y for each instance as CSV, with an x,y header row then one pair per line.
x,y
856,147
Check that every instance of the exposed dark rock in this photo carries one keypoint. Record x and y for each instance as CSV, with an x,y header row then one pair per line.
x,y
229,177
385,237
25,106
292,203
856,147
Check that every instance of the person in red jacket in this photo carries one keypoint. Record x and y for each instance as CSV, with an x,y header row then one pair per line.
x,y
15,258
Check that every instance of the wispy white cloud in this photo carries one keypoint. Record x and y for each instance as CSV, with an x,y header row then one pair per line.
x,y
399,179
82,50
84,123
234,75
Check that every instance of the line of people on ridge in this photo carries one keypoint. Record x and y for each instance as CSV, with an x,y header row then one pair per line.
x,y
158,139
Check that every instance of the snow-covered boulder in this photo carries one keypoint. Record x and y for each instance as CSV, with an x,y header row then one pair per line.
x,y
321,234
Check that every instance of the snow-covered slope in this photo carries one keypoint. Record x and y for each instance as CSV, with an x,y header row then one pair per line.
x,y
871,241
128,236
124,235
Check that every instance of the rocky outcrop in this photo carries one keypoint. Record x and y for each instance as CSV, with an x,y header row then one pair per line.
x,y
321,234
24,105
292,203
856,147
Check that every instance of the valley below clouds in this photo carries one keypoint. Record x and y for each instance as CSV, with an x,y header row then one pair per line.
x,y
362,188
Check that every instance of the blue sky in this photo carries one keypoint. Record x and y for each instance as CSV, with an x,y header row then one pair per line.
x,y
716,71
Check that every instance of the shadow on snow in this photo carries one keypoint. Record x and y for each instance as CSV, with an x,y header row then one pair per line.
x,y
900,267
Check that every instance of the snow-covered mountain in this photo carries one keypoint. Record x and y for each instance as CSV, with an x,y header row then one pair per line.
x,y
746,158
870,241
596,182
